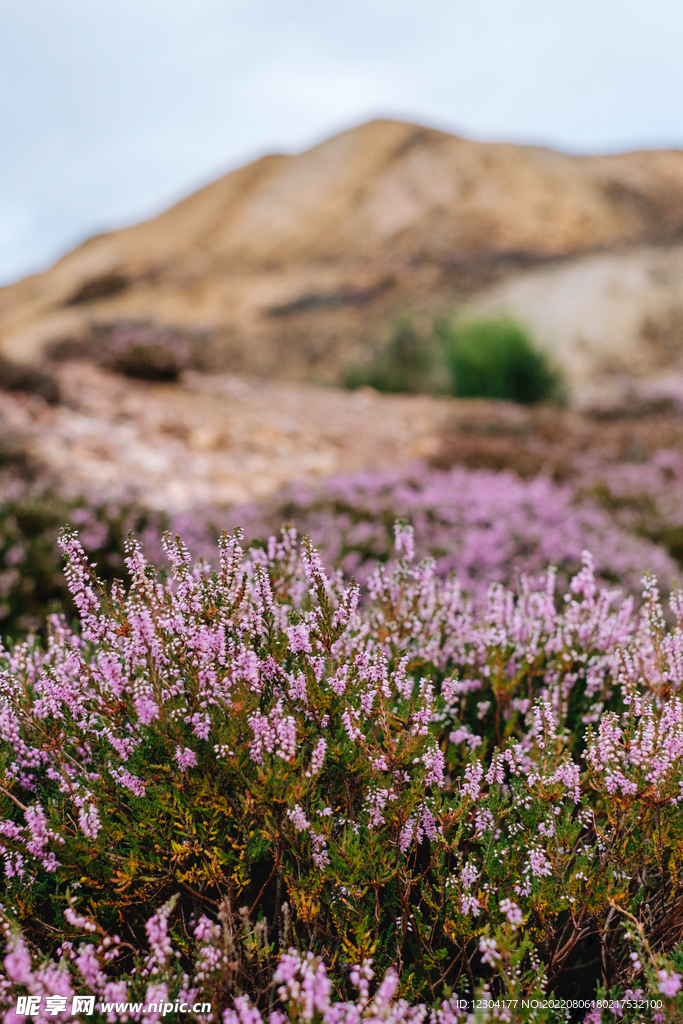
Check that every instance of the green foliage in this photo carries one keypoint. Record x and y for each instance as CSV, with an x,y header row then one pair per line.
x,y
407,364
495,359
471,359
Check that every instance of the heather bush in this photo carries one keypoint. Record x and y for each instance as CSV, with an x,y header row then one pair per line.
x,y
225,764
645,498
138,349
147,351
482,525
32,583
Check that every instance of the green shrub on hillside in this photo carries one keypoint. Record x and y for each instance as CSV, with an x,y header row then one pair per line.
x,y
474,359
408,364
495,359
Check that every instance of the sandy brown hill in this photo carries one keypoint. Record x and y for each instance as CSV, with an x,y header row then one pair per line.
x,y
294,265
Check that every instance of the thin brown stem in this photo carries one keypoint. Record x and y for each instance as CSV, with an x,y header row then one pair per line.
x,y
13,798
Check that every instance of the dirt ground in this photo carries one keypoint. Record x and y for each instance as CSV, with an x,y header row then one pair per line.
x,y
218,439
559,443
213,439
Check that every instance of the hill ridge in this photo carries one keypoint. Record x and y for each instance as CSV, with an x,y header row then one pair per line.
x,y
408,216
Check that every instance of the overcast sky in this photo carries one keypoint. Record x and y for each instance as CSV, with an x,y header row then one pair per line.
x,y
112,109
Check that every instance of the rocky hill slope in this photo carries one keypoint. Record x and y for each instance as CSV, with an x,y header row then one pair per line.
x,y
294,266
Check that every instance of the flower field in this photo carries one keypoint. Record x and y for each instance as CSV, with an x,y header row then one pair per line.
x,y
482,525
255,786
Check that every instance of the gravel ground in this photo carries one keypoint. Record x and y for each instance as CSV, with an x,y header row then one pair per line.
x,y
214,439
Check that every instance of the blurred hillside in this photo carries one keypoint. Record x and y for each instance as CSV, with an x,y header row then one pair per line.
x,y
295,266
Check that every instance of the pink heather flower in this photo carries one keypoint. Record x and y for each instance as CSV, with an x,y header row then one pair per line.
x,y
131,782
18,962
450,688
489,949
273,733
470,905
474,773
320,854
78,577
361,975
156,994
298,639
298,818
146,708
339,680
79,921
286,736
512,912
185,757
407,834
382,999
313,567
115,992
496,772
469,875
544,722
40,836
540,865
367,699
376,802
669,984
348,718
584,581
423,716
430,825
264,602
288,968
347,605
298,688
304,986
201,725
417,828
569,775
318,758
88,965
463,735
405,541
50,862
525,888
158,937
434,762
210,960
89,821
483,820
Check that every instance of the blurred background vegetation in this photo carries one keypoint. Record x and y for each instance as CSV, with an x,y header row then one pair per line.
x,y
484,358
